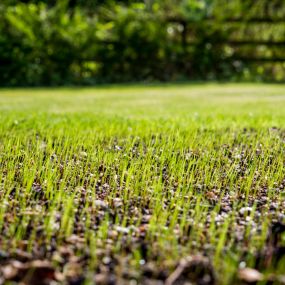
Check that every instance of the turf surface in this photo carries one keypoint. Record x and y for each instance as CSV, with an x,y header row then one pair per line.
x,y
143,185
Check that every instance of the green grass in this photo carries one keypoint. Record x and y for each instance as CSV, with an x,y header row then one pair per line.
x,y
129,178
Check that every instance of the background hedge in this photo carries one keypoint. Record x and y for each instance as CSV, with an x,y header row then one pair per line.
x,y
88,42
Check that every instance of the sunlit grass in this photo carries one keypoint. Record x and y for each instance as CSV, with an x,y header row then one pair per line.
x,y
143,174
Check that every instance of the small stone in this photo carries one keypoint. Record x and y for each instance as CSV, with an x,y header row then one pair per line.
x,y
83,154
250,275
245,210
101,204
122,230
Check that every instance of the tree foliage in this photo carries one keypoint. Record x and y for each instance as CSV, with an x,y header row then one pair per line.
x,y
85,42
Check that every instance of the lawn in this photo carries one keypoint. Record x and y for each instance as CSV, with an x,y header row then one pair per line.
x,y
145,185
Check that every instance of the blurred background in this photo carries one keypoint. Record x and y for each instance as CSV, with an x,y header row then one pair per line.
x,y
86,42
